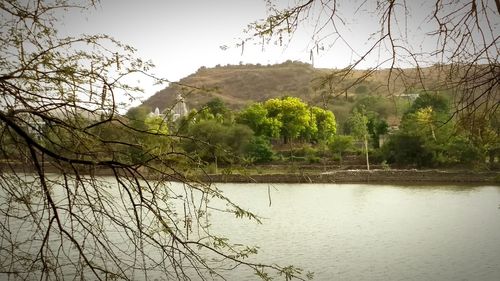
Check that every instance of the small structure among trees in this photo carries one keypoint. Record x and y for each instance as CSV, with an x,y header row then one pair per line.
x,y
179,110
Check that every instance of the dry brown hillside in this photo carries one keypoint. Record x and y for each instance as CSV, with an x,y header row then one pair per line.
x,y
239,85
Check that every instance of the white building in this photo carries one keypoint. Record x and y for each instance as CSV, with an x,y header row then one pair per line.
x,y
180,109
177,111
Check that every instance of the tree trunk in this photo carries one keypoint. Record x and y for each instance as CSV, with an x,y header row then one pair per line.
x,y
433,133
216,168
366,152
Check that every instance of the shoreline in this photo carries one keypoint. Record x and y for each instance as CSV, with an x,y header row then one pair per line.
x,y
412,176
363,176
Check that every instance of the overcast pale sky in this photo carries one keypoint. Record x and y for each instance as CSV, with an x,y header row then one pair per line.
x,y
181,36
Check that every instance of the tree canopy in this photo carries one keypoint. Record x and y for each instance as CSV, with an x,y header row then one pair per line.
x,y
289,118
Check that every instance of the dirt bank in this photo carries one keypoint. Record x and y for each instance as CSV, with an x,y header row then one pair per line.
x,y
310,176
364,176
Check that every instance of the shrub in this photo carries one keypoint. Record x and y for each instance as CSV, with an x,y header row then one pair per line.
x,y
313,159
259,149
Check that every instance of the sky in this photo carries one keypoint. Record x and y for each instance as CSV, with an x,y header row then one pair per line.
x,y
181,36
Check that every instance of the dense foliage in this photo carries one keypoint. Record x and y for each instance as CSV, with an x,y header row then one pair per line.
x,y
429,136
288,129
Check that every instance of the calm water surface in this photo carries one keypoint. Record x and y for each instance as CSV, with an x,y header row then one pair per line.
x,y
367,232
371,232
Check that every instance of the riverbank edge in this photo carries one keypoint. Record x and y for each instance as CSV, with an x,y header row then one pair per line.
x,y
362,176
333,176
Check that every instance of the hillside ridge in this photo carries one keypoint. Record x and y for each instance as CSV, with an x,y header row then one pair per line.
x,y
239,85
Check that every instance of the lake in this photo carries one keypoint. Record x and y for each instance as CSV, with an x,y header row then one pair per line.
x,y
372,232
360,231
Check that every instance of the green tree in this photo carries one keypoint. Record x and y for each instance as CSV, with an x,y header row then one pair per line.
x,y
325,124
380,106
462,151
271,127
436,101
377,127
157,138
238,138
295,118
404,149
156,125
428,136
218,143
376,108
217,106
425,118
207,140
137,115
215,109
359,129
185,122
341,144
483,130
293,114
259,150
289,118
426,132
255,117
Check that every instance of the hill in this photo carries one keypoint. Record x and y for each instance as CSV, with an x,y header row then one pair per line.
x,y
239,85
